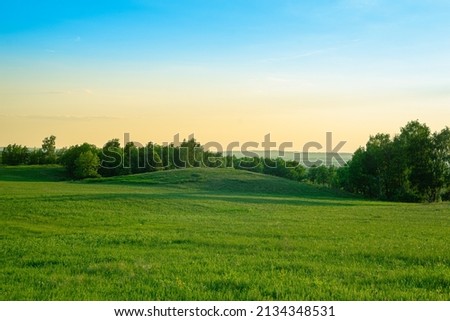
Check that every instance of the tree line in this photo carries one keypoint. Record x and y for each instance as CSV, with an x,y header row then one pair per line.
x,y
15,154
412,166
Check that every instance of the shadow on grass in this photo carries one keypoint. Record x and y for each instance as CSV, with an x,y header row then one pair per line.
x,y
224,181
196,184
33,173
196,197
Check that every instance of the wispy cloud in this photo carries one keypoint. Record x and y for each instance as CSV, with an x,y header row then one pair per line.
x,y
297,56
69,92
311,53
277,79
293,57
61,117
34,93
56,92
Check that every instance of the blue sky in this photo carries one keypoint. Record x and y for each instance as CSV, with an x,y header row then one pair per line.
x,y
354,67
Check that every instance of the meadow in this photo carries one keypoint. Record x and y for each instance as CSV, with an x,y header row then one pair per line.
x,y
213,234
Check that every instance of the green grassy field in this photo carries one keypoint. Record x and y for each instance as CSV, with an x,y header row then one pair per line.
x,y
213,234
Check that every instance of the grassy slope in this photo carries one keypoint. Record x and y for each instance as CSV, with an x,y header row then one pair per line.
x,y
213,234
33,173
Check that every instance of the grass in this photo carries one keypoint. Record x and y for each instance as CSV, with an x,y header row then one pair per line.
x,y
213,234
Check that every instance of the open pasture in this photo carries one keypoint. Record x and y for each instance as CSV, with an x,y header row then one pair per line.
x,y
213,234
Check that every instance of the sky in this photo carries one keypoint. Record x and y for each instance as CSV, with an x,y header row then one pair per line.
x,y
223,70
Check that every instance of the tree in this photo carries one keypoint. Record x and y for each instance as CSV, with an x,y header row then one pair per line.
x,y
49,149
417,145
153,159
275,167
37,157
297,172
81,168
252,164
167,155
15,155
214,159
440,164
190,154
341,179
111,159
379,170
357,178
86,165
322,174
414,166
380,161
131,161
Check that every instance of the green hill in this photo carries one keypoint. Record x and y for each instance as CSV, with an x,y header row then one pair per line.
x,y
32,173
224,181
204,180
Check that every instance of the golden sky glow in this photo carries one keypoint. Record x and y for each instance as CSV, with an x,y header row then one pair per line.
x,y
93,78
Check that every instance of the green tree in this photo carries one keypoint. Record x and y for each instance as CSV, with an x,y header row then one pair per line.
x,y
357,176
86,165
14,154
321,175
341,179
380,158
416,143
275,167
414,166
297,172
111,159
379,170
167,155
153,159
132,162
190,154
252,164
80,168
440,180
214,159
37,157
49,149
